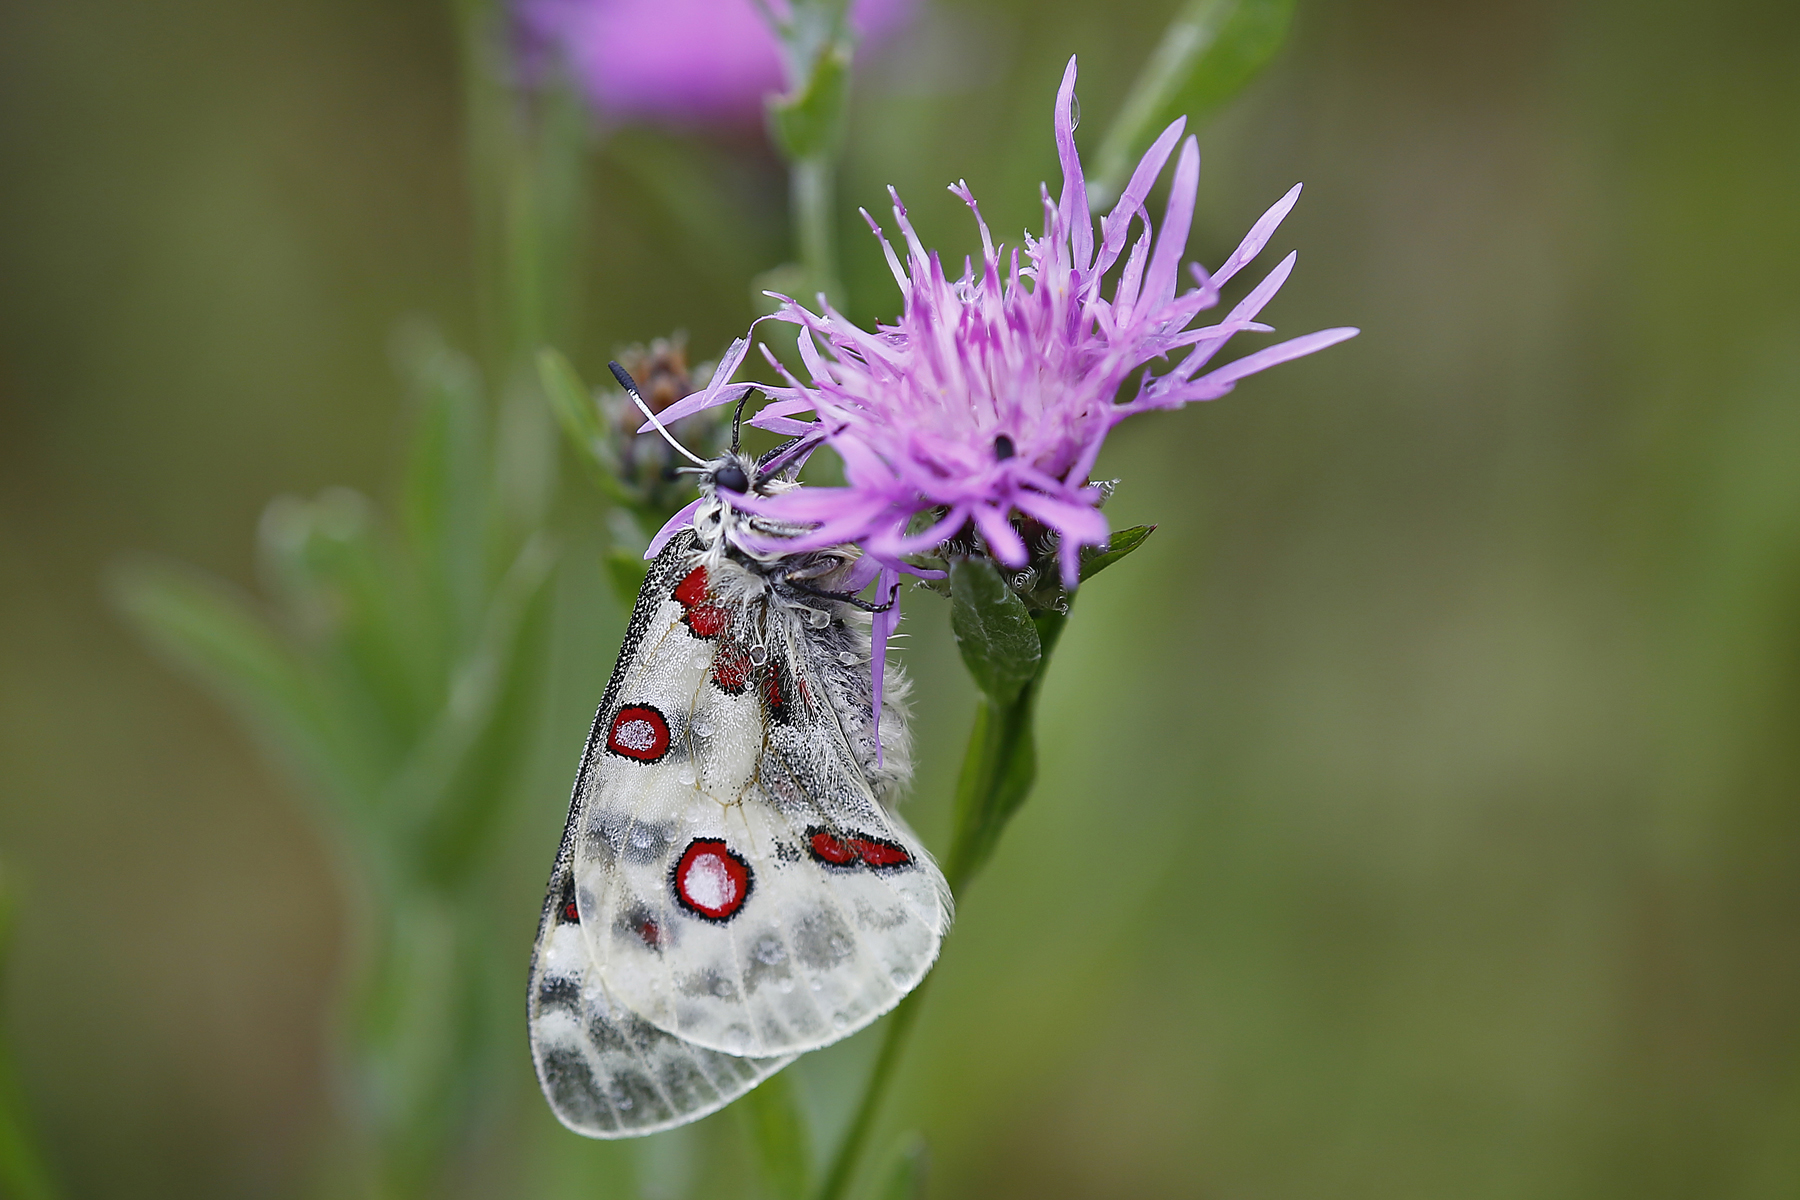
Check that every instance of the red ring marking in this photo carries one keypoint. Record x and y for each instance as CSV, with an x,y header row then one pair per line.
x,y
639,732
711,879
692,589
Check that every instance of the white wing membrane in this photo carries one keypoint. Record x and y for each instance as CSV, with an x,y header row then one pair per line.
x,y
607,1072
730,891
817,948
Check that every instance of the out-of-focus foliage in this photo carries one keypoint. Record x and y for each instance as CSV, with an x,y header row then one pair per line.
x,y
1208,53
1414,812
22,1171
398,664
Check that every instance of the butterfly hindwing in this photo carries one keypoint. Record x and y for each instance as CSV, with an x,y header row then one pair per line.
x,y
738,882
606,1071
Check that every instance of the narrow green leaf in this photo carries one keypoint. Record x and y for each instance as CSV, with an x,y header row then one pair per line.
x,y
209,629
577,414
999,644
778,1129
380,650
1095,559
809,122
1208,53
998,769
444,501
907,1176
443,801
627,569
23,1173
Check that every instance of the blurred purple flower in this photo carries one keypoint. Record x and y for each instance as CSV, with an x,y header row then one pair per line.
x,y
992,396
684,61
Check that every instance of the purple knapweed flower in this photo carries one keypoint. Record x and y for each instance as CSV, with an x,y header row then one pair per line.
x,y
681,61
993,393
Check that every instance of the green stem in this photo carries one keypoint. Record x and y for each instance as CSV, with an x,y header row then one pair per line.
x,y
815,228
997,772
1193,31
893,1043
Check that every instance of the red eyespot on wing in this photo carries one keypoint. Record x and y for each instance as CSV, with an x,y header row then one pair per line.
x,y
708,620
571,912
691,590
880,853
638,732
731,670
771,689
650,933
829,849
711,879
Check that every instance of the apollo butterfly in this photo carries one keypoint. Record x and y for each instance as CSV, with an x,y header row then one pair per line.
x,y
732,888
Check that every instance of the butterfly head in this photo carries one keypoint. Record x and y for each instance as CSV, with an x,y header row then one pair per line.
x,y
730,474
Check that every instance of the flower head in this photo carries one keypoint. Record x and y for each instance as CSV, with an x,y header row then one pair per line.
x,y
682,61
986,404
992,394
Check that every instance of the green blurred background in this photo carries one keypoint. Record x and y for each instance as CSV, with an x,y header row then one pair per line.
x,y
1419,811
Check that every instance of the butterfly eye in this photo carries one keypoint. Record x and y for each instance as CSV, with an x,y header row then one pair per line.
x,y
731,477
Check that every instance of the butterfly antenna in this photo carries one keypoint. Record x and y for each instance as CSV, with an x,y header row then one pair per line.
x,y
631,389
737,421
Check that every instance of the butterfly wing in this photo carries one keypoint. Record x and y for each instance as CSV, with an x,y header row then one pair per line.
x,y
739,884
607,1072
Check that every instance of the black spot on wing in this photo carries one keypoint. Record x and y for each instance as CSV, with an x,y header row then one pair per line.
x,y
559,991
572,1090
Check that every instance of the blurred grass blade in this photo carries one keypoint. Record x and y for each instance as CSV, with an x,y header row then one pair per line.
x,y
576,412
444,799
1095,559
778,1129
999,644
208,628
626,569
907,1176
1208,53
354,602
444,498
23,1174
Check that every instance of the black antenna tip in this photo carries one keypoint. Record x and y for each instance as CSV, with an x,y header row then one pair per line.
x,y
624,377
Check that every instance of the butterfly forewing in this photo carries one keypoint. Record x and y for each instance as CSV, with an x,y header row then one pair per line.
x,y
738,883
